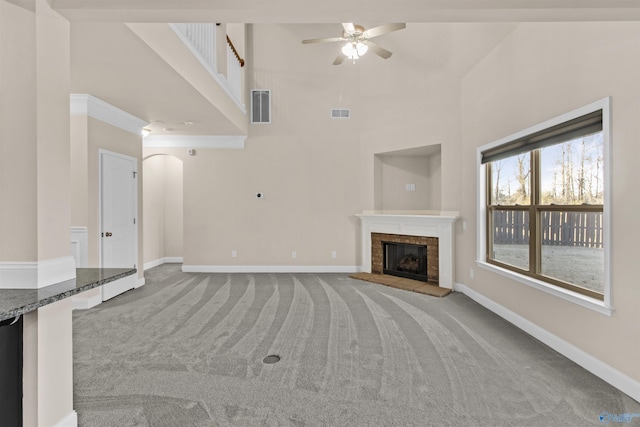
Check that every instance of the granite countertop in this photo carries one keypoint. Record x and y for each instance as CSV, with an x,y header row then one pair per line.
x,y
14,302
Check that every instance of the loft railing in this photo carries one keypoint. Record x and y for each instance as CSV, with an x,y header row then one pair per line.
x,y
200,38
235,52
234,69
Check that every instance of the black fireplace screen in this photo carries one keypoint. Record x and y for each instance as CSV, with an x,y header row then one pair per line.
x,y
405,260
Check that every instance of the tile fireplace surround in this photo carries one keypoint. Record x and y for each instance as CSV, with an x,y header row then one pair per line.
x,y
437,224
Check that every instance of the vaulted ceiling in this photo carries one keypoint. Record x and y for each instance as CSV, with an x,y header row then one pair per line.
x,y
109,61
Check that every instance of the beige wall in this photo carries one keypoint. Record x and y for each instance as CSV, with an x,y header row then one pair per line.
x,y
154,207
35,189
18,177
410,104
48,364
52,113
173,220
316,172
538,72
162,186
79,171
34,132
398,171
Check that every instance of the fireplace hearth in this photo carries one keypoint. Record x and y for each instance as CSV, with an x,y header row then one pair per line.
x,y
405,260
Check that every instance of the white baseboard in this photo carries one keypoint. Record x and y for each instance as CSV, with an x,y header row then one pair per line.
x,y
38,274
271,269
140,282
71,420
115,288
80,303
619,380
160,261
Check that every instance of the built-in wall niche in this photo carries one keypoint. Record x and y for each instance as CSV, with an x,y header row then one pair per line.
x,y
408,179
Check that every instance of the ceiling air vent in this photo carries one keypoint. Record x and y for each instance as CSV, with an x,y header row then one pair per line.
x,y
260,106
337,113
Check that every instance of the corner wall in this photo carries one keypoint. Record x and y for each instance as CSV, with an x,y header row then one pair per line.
x,y
163,212
541,71
316,172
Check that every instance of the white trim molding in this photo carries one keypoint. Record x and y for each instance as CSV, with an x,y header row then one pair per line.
x,y
82,104
80,303
618,379
71,420
117,287
160,261
565,294
270,269
194,141
413,223
80,246
36,275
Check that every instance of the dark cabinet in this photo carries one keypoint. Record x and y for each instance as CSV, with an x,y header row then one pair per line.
x,y
11,372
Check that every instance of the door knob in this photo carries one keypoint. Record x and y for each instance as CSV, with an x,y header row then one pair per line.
x,y
108,234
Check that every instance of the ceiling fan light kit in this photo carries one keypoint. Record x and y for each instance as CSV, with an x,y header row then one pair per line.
x,y
358,41
354,50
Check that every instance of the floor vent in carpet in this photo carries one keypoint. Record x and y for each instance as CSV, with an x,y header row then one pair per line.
x,y
271,359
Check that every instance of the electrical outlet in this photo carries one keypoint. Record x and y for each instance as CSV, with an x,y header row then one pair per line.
x,y
471,273
334,254
293,254
234,253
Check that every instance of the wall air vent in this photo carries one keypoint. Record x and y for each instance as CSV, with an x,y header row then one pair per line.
x,y
260,106
337,113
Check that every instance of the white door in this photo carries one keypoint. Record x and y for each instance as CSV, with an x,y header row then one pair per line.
x,y
118,218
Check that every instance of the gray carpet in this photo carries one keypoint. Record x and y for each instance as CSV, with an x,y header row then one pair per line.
x,y
187,349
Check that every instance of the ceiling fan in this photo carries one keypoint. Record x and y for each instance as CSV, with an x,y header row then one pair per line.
x,y
358,41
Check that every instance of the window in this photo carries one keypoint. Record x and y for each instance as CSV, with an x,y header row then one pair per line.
x,y
544,203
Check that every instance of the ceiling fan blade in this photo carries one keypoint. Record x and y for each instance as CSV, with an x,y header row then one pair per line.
x,y
381,52
324,40
383,29
339,59
349,28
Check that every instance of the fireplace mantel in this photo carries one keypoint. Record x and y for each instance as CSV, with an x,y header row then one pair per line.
x,y
413,223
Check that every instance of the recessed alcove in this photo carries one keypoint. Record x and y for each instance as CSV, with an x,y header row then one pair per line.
x,y
408,179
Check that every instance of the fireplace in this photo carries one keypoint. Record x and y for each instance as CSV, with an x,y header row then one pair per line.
x,y
429,228
406,249
405,260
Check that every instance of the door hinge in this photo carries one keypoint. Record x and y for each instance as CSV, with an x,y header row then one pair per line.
x,y
134,174
134,220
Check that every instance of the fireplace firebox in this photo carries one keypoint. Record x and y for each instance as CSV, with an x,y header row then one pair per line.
x,y
405,260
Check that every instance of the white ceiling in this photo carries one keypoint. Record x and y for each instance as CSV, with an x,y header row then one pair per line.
x,y
328,11
110,62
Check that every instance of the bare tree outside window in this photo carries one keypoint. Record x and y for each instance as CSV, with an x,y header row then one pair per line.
x,y
568,238
572,172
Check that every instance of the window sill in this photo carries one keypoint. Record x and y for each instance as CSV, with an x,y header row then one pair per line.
x,y
567,295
